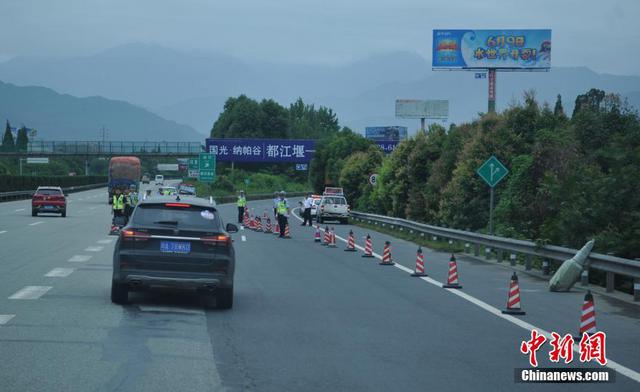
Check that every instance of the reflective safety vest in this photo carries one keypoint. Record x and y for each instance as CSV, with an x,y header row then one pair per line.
x,y
118,202
282,207
134,198
242,201
166,192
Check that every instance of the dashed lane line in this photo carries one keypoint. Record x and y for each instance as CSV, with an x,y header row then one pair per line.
x,y
244,238
105,241
59,272
79,259
94,248
632,374
35,223
2,231
20,209
30,292
4,318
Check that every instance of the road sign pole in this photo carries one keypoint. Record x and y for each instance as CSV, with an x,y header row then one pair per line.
x,y
422,124
492,90
491,211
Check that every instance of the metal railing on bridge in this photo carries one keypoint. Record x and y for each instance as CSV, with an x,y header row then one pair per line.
x,y
108,148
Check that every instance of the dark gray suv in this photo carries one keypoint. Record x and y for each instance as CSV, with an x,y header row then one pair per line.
x,y
175,242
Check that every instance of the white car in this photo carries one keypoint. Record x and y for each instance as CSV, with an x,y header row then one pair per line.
x,y
159,179
333,206
315,206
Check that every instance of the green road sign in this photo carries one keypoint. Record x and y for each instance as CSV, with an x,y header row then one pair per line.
x,y
194,163
492,171
207,167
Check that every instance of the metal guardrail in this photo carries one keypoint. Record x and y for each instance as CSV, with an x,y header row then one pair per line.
x,y
257,196
99,148
18,195
611,265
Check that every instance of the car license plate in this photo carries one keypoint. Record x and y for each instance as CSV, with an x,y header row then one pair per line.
x,y
175,247
48,207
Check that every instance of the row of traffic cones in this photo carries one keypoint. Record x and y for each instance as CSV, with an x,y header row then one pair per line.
x,y
513,306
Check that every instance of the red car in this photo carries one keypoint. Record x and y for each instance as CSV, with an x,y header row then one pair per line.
x,y
49,199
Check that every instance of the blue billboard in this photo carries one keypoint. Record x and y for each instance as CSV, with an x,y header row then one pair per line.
x,y
261,150
386,133
501,49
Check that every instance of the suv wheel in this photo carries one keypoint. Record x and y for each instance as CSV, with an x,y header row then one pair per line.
x,y
119,293
63,214
34,212
224,298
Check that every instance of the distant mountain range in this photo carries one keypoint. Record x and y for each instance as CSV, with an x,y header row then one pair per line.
x,y
64,117
191,87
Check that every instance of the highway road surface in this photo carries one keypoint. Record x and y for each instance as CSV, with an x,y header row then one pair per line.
x,y
305,317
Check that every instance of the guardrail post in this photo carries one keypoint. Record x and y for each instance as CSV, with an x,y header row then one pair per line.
x,y
487,252
466,247
499,255
584,278
512,259
545,267
636,290
527,262
610,281
476,250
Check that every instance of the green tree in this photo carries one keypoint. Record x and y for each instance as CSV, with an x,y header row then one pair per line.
x,y
7,139
22,141
558,110
354,176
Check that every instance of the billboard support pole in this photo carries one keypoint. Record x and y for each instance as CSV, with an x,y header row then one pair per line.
x,y
492,90
422,124
491,211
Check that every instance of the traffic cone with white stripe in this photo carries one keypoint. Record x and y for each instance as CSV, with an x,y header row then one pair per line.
x,y
351,243
588,317
368,247
513,298
332,239
327,236
276,231
452,279
286,231
386,254
245,219
419,270
316,236
258,224
268,226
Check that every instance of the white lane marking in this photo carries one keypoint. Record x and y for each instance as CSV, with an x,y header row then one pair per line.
x,y
106,241
81,198
2,231
170,309
244,238
79,259
30,292
4,318
35,223
20,209
94,248
59,272
632,374
93,208
241,227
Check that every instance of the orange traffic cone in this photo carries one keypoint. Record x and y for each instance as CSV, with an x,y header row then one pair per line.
x,y
327,236
368,247
286,231
258,224
513,298
419,270
316,236
276,231
332,239
351,243
588,317
268,226
386,254
452,280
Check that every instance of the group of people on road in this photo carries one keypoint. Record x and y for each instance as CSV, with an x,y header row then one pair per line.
x,y
124,203
281,209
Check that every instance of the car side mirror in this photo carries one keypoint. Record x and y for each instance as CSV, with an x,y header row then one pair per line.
x,y
231,228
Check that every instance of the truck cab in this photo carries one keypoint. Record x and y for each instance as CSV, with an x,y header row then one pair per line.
x,y
333,206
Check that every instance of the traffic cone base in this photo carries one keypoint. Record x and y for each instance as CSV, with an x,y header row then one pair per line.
x,y
451,286
367,255
419,274
514,312
387,263
350,250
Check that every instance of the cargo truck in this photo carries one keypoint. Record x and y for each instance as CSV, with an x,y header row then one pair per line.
x,y
123,172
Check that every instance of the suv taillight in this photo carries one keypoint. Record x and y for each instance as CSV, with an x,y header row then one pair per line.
x,y
132,235
220,240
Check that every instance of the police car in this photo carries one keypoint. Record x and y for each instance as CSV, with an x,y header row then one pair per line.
x,y
333,206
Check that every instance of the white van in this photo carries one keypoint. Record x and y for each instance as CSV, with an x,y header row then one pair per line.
x,y
333,206
159,179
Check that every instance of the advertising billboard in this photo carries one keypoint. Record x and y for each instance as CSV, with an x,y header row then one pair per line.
x,y
501,49
387,146
386,133
261,150
415,108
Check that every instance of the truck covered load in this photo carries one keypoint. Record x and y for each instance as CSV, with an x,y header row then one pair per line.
x,y
123,172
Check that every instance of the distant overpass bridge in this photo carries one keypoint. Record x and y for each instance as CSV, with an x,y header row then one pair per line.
x,y
108,149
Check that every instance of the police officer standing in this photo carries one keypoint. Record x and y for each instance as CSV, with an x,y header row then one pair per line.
x,y
128,204
242,204
306,205
118,203
283,211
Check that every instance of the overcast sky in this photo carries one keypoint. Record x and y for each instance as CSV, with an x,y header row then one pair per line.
x,y
603,35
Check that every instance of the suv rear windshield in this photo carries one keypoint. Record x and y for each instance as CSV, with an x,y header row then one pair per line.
x,y
192,217
335,200
49,191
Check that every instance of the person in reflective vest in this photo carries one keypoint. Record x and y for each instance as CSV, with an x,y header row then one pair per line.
x,y
282,208
128,203
242,204
166,192
118,203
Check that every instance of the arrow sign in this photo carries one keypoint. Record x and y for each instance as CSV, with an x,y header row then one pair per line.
x,y
492,171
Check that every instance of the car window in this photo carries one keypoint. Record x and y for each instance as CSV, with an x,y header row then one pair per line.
x,y
49,191
193,217
335,200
